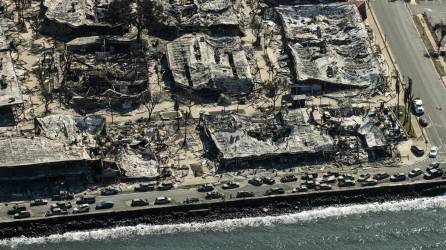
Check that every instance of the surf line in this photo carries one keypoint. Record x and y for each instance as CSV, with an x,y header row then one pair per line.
x,y
232,224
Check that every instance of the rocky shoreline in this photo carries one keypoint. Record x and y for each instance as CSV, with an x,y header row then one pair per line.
x,y
265,206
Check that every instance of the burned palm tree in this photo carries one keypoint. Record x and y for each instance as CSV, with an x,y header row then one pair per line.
x,y
442,28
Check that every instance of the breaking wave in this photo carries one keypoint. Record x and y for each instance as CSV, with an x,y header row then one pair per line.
x,y
232,224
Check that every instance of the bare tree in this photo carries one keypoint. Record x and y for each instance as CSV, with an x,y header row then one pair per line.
x,y
146,13
150,105
275,89
442,28
120,12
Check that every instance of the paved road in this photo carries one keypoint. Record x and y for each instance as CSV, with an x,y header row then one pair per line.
x,y
408,50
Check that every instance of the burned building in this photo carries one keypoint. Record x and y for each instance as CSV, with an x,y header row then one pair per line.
x,y
30,159
67,19
10,93
283,139
375,131
330,48
201,62
72,130
105,71
177,17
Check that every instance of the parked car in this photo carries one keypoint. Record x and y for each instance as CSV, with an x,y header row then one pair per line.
x,y
418,106
434,173
86,199
213,195
56,211
369,182
145,187
256,181
244,194
83,208
268,180
38,202
162,200
398,177
423,121
330,179
309,176
310,184
300,189
22,215
434,164
346,183
61,205
139,202
109,191
363,177
433,152
288,178
230,185
324,186
381,176
417,150
16,208
415,172
275,190
165,186
206,188
104,205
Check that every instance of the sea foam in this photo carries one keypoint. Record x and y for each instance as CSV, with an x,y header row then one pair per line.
x,y
232,224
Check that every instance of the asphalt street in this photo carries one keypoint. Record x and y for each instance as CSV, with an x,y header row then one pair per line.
x,y
409,52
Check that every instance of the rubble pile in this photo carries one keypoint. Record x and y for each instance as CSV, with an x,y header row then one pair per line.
x,y
330,47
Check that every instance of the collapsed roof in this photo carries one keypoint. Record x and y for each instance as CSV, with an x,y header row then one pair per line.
x,y
195,15
199,61
106,68
73,18
373,135
68,128
330,44
10,93
76,13
239,136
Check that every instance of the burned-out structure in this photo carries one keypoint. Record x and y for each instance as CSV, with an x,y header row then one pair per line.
x,y
202,62
10,93
72,130
65,19
286,139
358,130
330,48
41,158
105,71
176,17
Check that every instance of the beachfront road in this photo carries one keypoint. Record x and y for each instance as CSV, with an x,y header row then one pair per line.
x,y
407,47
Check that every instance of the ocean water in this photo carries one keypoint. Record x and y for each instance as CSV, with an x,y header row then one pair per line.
x,y
408,224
